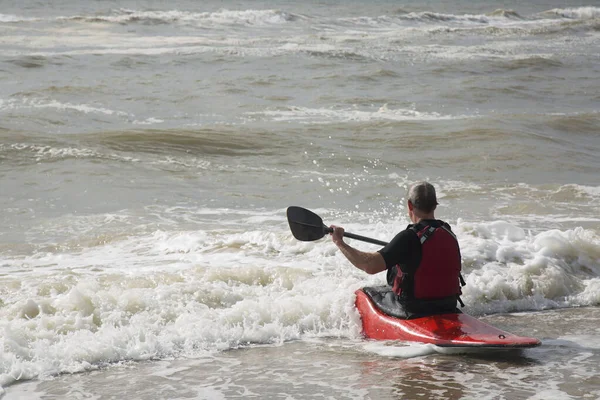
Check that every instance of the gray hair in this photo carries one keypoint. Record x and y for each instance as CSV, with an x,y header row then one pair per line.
x,y
422,196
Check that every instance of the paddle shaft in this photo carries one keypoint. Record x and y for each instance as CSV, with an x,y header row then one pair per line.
x,y
359,237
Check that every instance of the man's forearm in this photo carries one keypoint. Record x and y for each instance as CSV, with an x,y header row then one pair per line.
x,y
371,263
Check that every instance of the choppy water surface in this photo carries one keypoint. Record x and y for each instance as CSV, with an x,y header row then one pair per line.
x,y
148,153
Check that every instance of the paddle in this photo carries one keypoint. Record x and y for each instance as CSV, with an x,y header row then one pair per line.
x,y
307,226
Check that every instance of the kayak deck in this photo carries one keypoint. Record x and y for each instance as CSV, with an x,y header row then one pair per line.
x,y
444,330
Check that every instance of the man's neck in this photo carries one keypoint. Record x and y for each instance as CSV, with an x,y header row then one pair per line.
x,y
420,218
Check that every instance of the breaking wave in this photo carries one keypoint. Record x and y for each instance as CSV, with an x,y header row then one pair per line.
x,y
574,13
327,115
223,17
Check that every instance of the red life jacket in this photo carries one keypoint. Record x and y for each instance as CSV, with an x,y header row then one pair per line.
x,y
438,274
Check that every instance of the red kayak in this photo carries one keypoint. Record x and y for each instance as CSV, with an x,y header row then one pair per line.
x,y
444,330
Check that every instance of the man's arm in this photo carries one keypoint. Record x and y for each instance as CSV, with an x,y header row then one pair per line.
x,y
370,262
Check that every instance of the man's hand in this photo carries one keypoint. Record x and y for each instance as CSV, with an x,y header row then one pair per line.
x,y
337,235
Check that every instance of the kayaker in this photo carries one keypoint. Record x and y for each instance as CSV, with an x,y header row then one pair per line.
x,y
423,262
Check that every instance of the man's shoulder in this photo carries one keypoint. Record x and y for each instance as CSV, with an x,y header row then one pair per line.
x,y
409,233
436,223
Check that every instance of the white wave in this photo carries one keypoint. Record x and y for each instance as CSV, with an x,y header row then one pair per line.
x,y
329,115
84,108
117,45
440,17
222,17
508,269
556,218
457,186
149,121
16,104
593,191
153,294
576,12
59,324
376,44
428,17
41,152
498,17
15,18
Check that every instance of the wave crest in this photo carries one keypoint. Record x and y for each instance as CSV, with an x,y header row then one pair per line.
x,y
509,14
10,18
222,17
574,13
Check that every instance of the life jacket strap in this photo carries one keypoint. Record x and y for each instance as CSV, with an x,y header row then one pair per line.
x,y
424,233
427,234
445,227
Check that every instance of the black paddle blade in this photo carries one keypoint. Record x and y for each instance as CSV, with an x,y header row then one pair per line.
x,y
306,225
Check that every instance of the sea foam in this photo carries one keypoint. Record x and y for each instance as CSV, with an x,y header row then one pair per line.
x,y
183,293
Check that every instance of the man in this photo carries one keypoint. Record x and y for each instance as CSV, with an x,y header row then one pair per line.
x,y
423,261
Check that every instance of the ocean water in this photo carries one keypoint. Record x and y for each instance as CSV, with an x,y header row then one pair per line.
x,y
148,152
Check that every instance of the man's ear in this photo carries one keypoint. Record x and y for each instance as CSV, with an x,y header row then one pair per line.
x,y
410,205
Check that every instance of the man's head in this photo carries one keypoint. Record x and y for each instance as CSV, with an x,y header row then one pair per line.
x,y
422,200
